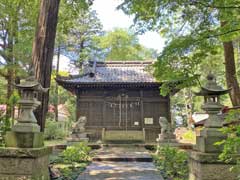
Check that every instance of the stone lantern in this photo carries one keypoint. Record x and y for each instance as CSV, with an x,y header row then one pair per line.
x,y
26,132
25,156
28,102
211,93
204,161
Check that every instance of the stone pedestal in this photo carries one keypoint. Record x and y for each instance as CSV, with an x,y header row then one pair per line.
x,y
164,138
24,163
206,166
76,138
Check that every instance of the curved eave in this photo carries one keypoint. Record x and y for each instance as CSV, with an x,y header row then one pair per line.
x,y
73,85
205,91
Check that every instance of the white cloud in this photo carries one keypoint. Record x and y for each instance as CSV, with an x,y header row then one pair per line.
x,y
152,40
64,65
109,16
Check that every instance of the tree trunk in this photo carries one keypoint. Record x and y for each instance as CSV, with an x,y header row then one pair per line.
x,y
10,82
10,77
230,71
56,87
42,55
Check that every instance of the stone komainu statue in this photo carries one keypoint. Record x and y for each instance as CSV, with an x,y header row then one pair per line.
x,y
165,128
79,126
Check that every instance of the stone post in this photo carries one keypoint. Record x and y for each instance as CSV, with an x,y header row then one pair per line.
x,y
203,160
25,156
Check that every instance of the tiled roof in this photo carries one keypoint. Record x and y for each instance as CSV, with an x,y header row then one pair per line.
x,y
115,72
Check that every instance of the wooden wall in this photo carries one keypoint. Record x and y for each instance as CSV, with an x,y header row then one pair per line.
x,y
102,109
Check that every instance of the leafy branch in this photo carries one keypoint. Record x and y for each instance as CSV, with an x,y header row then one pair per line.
x,y
214,6
222,34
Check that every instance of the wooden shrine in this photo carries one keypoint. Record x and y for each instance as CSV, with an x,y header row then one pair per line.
x,y
118,96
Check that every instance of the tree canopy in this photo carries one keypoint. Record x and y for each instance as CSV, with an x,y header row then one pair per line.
x,y
195,30
121,44
81,45
17,22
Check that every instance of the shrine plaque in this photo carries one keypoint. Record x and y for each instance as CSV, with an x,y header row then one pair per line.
x,y
148,120
136,123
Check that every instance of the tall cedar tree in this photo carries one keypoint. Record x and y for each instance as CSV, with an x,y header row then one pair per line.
x,y
42,54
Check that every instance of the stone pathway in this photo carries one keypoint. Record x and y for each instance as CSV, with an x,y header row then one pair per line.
x,y
121,163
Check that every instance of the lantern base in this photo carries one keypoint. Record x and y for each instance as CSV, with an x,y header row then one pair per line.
x,y
24,139
26,127
207,139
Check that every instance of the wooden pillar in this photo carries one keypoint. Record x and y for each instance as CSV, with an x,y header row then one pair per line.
x,y
104,108
142,113
77,105
169,109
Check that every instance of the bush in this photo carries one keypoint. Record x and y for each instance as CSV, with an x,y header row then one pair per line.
x,y
72,161
68,173
77,153
189,136
52,131
5,125
172,163
231,145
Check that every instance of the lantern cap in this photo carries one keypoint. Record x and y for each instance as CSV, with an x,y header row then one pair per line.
x,y
211,87
31,83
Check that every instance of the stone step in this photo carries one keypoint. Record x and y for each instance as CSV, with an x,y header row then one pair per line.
x,y
121,171
123,159
124,145
123,153
124,142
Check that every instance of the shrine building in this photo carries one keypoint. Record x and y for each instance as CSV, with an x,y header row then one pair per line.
x,y
120,99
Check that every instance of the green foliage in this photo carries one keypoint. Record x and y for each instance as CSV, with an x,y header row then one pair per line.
x,y
68,12
52,130
72,161
18,19
121,44
77,40
184,17
63,94
231,145
5,125
181,63
69,173
76,153
172,163
71,106
182,106
2,90
194,36
14,98
189,136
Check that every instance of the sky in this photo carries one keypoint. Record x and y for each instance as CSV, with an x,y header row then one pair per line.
x,y
112,18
